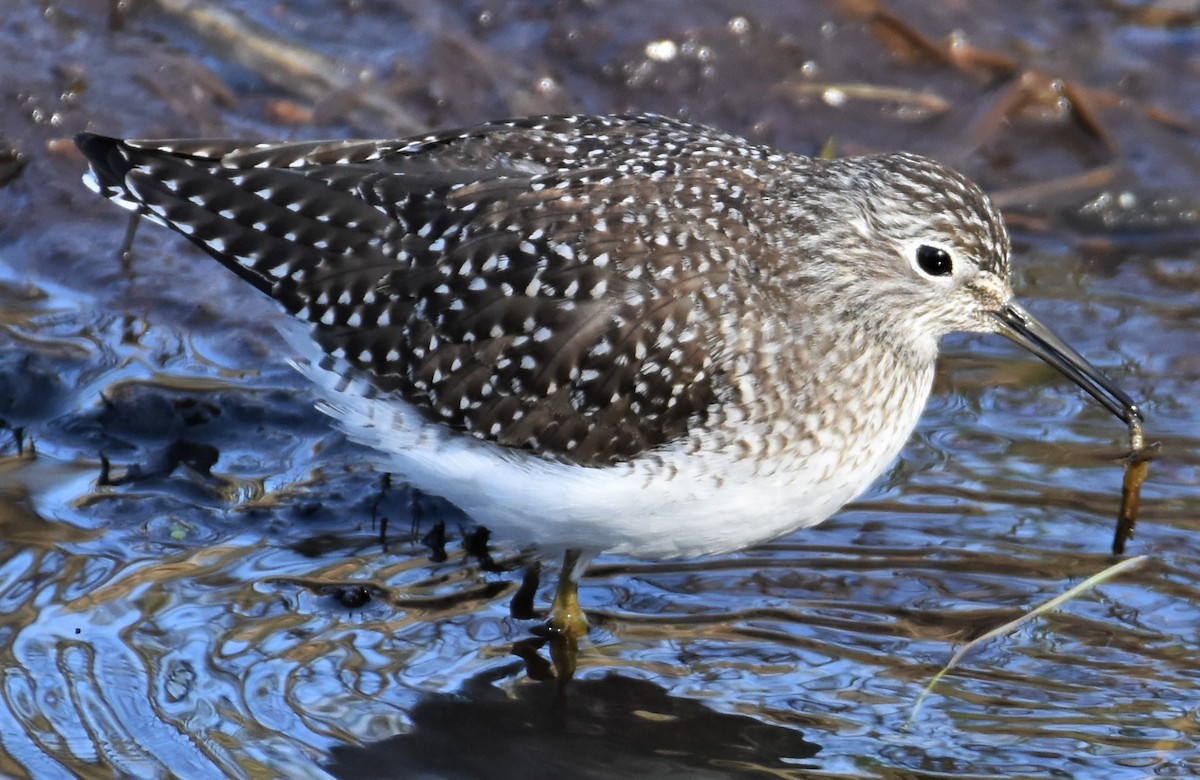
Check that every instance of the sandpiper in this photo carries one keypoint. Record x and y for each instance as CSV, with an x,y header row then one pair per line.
x,y
605,334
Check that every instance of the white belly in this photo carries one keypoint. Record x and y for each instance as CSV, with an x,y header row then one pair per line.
x,y
669,503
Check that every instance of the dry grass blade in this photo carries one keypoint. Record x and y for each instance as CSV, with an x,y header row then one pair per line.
x,y
1054,603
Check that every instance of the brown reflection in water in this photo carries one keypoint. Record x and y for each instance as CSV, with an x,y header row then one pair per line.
x,y
606,727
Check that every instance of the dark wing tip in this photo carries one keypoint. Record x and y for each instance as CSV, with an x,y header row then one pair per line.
x,y
104,155
89,142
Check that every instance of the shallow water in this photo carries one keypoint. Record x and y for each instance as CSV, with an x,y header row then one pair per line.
x,y
194,622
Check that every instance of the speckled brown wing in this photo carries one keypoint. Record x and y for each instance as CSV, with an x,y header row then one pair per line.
x,y
555,285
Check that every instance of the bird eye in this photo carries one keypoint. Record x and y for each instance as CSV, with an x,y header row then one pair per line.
x,y
934,261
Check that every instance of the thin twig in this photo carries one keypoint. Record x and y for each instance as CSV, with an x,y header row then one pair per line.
x,y
1041,191
925,100
286,64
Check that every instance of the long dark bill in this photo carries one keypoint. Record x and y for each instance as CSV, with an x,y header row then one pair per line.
x,y
1020,326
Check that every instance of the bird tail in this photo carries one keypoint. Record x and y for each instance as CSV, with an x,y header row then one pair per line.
x,y
271,219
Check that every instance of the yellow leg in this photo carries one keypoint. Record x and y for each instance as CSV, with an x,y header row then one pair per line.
x,y
567,620
566,616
